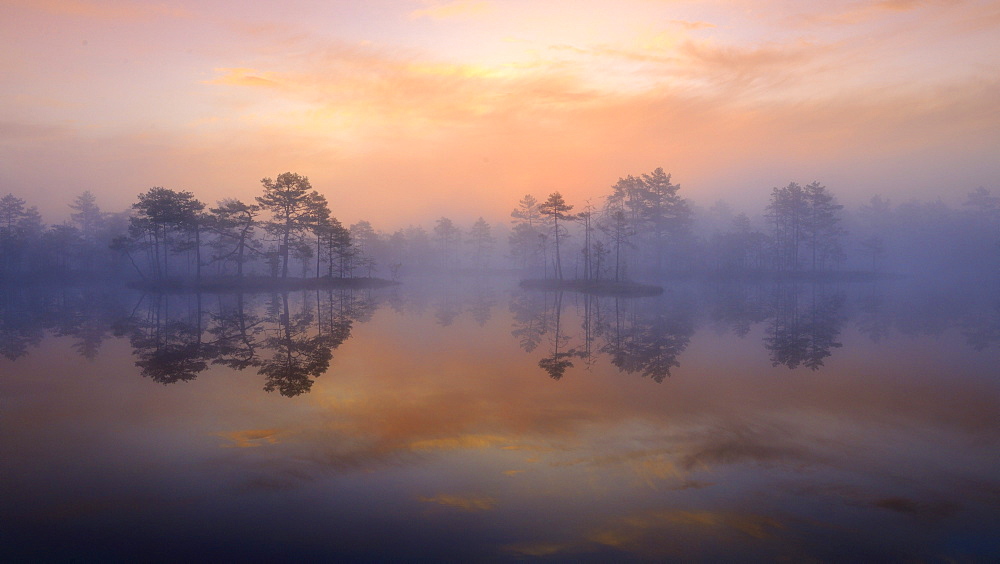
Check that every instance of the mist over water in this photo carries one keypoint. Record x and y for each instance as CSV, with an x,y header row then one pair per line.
x,y
456,280
469,418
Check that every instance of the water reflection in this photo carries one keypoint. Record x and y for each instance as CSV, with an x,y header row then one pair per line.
x,y
289,338
530,426
804,329
85,315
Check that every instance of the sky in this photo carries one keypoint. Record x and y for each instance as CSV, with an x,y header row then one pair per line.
x,y
404,111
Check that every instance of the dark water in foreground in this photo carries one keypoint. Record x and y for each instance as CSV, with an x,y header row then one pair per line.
x,y
474,421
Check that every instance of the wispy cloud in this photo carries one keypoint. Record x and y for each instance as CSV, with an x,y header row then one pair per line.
x,y
241,77
124,10
452,10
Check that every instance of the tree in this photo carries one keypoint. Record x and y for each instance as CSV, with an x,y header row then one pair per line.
x,y
822,226
525,240
616,227
481,238
527,211
788,213
336,240
161,212
650,217
19,227
234,222
447,235
295,207
366,242
87,216
667,214
556,209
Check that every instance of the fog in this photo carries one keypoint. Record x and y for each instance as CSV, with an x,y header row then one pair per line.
x,y
643,229
467,280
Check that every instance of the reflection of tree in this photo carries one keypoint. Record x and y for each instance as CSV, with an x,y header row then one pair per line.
x,y
530,319
738,306
84,314
298,356
289,350
449,308
872,320
647,340
639,335
557,362
169,350
482,302
804,338
19,327
236,333
591,321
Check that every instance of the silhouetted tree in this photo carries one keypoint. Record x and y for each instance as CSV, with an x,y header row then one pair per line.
x,y
556,209
295,208
336,241
233,223
160,213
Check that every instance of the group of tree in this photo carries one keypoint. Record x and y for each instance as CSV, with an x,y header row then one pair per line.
x,y
29,248
802,231
289,221
641,229
643,226
645,229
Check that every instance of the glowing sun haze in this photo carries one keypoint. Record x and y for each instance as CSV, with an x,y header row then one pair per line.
x,y
403,111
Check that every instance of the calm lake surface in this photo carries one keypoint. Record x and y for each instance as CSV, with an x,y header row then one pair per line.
x,y
472,420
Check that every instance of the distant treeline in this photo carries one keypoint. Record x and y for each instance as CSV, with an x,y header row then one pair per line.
x,y
642,229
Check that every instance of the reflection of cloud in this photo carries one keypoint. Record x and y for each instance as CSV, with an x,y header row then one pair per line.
x,y
652,531
918,509
463,442
463,503
759,444
250,438
536,549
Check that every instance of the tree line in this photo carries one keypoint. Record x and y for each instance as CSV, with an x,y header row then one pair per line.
x,y
641,229
645,229
286,231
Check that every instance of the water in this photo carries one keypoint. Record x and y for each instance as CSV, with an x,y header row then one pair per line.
x,y
471,420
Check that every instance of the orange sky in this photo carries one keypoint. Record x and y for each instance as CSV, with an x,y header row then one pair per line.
x,y
404,111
